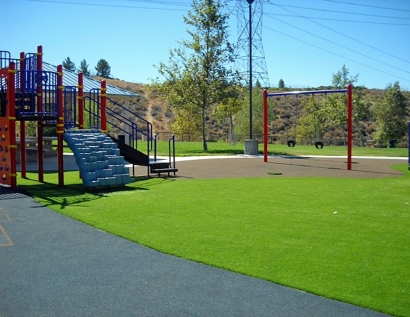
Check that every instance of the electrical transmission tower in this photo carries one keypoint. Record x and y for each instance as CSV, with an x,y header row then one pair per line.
x,y
259,70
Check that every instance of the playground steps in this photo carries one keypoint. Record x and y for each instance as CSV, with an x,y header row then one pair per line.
x,y
98,158
162,167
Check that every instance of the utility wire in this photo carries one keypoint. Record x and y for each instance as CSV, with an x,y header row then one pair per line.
x,y
337,44
341,12
367,6
150,2
349,37
178,3
105,5
330,52
336,20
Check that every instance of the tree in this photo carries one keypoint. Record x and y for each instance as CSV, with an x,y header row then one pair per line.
x,y
313,119
68,64
341,79
242,117
84,68
336,106
281,84
391,114
199,74
187,122
103,68
227,109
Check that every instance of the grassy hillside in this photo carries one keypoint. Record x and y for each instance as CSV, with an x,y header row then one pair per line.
x,y
155,110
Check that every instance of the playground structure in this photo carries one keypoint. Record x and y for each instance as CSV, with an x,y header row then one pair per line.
x,y
29,93
349,92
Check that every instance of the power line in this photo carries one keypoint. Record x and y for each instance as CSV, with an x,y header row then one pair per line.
x,y
330,52
349,49
178,3
341,12
349,37
105,5
367,6
336,20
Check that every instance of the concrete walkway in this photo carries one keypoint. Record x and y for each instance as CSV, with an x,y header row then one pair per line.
x,y
52,265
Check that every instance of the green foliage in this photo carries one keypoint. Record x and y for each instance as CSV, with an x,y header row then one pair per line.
x,y
228,108
281,84
336,106
313,119
84,68
391,114
341,79
242,117
103,68
68,64
187,121
31,128
50,131
197,76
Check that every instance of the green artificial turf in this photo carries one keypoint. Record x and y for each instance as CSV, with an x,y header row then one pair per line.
x,y
221,148
346,239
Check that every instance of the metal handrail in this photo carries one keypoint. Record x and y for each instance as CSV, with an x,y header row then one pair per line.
x,y
130,124
171,151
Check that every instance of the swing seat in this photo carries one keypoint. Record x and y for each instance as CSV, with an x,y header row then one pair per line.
x,y
319,145
291,143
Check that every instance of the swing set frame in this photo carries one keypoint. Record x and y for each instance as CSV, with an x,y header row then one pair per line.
x,y
349,92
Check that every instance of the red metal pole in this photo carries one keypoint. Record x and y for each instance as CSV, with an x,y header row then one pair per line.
x,y
349,126
80,100
60,126
40,109
11,97
103,106
265,126
23,163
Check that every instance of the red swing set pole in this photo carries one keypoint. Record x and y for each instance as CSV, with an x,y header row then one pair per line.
x,y
265,125
349,126
60,126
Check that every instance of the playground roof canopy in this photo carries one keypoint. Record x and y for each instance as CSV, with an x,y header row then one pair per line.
x,y
70,78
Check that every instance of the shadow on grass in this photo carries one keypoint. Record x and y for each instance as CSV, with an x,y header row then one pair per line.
x,y
51,194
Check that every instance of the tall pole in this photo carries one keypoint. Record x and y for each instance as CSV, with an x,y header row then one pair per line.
x,y
60,126
265,125
250,68
349,126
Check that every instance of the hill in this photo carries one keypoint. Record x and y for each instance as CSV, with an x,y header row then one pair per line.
x,y
152,108
149,106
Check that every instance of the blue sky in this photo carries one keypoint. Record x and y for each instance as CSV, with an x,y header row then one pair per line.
x,y
304,42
